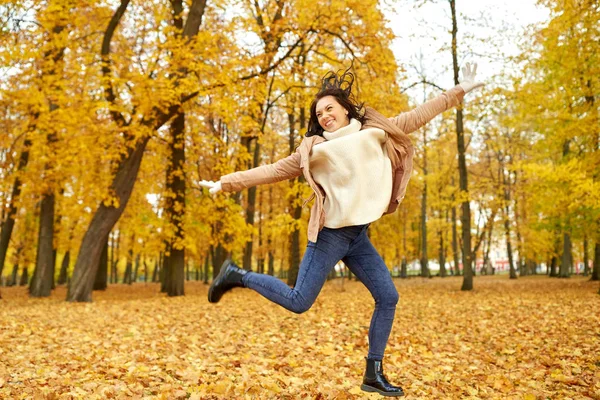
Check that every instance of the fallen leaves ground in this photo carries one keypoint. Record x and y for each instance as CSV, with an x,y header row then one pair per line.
x,y
534,338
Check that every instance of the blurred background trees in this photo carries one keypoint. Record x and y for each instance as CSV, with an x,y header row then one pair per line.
x,y
112,111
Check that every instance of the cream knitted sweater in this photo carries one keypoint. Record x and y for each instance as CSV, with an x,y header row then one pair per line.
x,y
354,170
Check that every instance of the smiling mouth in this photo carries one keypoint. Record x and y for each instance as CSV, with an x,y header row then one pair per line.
x,y
329,123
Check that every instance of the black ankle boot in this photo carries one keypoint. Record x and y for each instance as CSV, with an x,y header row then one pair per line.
x,y
375,381
230,276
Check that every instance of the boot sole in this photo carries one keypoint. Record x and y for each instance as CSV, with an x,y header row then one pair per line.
x,y
370,389
212,285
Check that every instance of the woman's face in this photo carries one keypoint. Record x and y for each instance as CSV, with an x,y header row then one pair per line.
x,y
331,115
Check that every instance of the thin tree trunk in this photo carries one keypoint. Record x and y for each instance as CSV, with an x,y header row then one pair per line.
x,y
462,167
205,277
164,269
251,209
9,223
260,263
14,276
404,264
43,277
513,273
486,257
586,257
454,237
270,256
155,272
24,277
136,269
296,206
553,264
145,270
424,260
64,268
111,258
596,268
218,259
565,265
442,255
100,283
115,257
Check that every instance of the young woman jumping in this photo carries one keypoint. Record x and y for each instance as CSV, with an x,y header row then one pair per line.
x,y
358,163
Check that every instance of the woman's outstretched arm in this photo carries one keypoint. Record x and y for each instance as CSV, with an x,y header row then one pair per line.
x,y
286,168
412,120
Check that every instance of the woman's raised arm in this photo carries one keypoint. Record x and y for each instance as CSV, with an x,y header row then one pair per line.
x,y
286,168
412,120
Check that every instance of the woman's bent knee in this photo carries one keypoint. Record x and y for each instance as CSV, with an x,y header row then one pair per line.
x,y
299,305
300,308
389,298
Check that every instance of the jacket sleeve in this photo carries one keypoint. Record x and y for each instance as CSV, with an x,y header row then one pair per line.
x,y
286,168
412,120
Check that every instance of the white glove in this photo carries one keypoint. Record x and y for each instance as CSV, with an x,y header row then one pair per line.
x,y
468,81
213,187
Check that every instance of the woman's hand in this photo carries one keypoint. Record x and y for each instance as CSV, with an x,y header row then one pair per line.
x,y
468,82
213,187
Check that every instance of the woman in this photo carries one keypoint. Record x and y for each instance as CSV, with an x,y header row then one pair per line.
x,y
358,164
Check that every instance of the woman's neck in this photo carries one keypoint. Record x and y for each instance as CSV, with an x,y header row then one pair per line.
x,y
352,127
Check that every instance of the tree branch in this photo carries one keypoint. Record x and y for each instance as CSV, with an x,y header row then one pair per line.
x,y
109,91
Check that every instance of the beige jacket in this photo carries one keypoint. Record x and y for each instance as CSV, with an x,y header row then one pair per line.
x,y
399,148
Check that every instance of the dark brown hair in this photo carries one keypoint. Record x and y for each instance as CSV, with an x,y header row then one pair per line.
x,y
339,86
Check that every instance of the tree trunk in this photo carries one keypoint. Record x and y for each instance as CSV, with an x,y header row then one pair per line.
x,y
596,265
506,210
9,223
64,268
454,238
205,277
424,259
176,272
553,264
145,264
251,209
24,277
586,257
270,256
442,255
164,269
100,283
155,272
111,259
487,266
43,276
14,276
102,222
175,208
136,269
462,168
296,203
522,261
565,265
260,263
218,259
129,265
513,273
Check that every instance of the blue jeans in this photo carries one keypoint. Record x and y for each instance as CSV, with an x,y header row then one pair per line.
x,y
351,245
